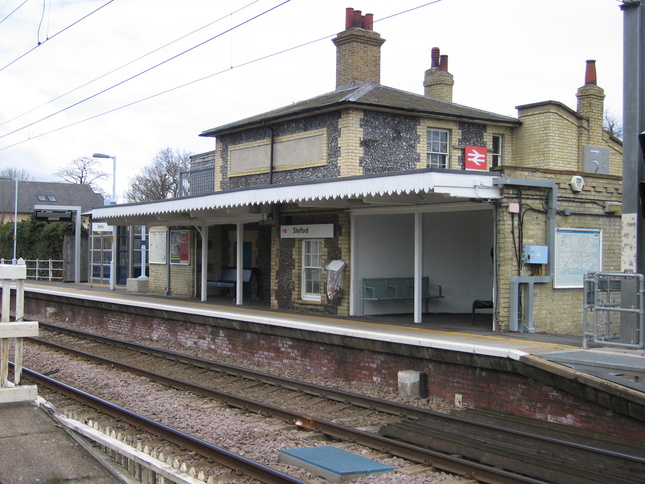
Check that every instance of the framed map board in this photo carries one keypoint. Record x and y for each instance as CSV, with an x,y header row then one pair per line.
x,y
576,251
157,244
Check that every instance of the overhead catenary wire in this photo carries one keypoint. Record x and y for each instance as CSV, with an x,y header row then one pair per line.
x,y
13,11
147,98
240,24
55,35
128,63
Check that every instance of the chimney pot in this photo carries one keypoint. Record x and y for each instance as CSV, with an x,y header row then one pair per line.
x,y
358,20
349,18
435,57
368,21
443,63
590,73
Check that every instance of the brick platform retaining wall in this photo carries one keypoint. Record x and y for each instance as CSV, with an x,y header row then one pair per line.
x,y
494,383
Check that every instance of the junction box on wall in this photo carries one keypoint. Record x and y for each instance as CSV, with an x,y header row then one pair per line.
x,y
535,254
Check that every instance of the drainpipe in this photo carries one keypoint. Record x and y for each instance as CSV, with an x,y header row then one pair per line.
x,y
271,155
552,187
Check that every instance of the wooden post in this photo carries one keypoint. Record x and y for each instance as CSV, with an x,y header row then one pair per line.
x,y
17,330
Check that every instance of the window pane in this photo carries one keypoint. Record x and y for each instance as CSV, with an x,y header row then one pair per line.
x,y
437,148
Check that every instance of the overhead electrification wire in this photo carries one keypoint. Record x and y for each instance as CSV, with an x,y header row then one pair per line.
x,y
55,35
146,70
40,24
14,11
258,59
129,63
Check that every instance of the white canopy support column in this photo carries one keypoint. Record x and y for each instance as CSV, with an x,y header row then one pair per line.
x,y
418,267
239,285
204,280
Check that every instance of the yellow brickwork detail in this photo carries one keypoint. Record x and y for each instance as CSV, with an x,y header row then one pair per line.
x,y
349,143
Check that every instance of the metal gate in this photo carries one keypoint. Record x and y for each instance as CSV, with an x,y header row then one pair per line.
x,y
613,309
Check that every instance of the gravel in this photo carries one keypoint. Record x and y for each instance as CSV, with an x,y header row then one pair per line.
x,y
252,436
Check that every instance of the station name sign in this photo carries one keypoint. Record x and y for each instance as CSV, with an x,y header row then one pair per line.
x,y
318,231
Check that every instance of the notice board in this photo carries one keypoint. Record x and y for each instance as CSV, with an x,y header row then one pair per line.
x,y
157,246
576,251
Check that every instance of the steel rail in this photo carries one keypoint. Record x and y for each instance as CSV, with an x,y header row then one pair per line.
x,y
222,456
449,463
394,408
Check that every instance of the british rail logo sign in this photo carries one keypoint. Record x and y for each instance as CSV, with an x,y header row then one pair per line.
x,y
475,158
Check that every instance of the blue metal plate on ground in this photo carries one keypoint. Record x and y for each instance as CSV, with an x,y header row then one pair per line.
x,y
337,461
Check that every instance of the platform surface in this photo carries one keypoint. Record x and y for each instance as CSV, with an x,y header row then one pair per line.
x,y
34,449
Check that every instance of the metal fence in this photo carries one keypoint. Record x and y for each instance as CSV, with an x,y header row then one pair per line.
x,y
42,270
199,180
613,310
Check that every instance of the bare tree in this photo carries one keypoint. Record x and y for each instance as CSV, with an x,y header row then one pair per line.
x,y
83,171
14,172
613,125
160,179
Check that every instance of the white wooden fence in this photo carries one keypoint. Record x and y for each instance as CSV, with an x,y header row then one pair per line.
x,y
42,269
16,331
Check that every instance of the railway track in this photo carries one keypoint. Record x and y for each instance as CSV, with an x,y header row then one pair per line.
x,y
304,404
180,443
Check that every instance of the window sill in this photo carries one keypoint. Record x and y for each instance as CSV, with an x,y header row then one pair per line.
x,y
309,302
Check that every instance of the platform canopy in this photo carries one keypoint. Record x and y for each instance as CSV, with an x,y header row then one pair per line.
x,y
422,188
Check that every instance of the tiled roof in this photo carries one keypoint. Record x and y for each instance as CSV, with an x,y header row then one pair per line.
x,y
69,194
368,96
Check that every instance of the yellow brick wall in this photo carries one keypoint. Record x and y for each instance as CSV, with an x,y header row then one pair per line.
x,y
559,310
181,276
358,56
548,138
349,143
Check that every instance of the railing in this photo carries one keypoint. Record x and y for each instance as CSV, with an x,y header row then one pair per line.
x,y
614,300
42,270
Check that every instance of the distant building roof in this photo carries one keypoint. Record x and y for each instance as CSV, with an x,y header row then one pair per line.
x,y
32,193
368,95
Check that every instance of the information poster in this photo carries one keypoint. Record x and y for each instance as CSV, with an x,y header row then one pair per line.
x,y
576,251
179,246
157,246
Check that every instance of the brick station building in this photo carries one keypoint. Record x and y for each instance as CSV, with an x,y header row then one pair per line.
x,y
368,182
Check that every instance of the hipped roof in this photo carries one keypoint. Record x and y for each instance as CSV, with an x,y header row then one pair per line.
x,y
371,96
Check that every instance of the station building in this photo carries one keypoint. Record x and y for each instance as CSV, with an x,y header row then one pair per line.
x,y
372,200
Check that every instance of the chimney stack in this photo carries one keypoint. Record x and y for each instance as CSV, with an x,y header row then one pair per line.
x,y
358,50
591,105
438,81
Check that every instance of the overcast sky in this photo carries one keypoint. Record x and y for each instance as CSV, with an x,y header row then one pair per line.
x,y
502,53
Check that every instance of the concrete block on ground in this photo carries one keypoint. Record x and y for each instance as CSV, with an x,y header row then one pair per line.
x,y
412,384
138,284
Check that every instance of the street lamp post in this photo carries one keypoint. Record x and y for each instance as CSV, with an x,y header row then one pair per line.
x,y
113,261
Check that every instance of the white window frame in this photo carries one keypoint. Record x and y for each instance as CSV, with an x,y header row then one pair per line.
x,y
438,151
311,269
496,154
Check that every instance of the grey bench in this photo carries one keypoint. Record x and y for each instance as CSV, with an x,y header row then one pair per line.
x,y
396,288
228,278
481,304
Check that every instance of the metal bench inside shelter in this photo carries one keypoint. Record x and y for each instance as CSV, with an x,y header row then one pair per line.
x,y
228,279
396,288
